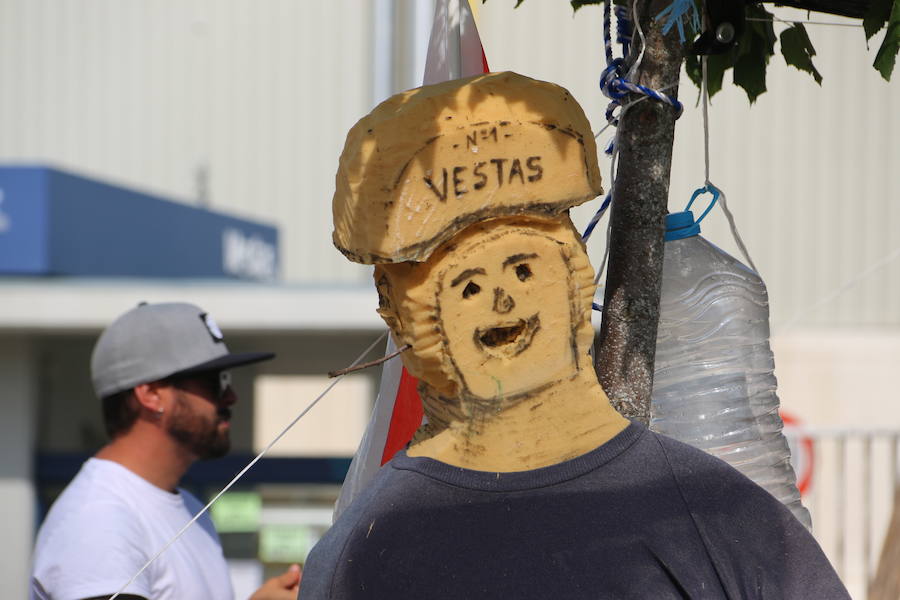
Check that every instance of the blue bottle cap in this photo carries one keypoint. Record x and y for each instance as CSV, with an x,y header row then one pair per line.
x,y
681,225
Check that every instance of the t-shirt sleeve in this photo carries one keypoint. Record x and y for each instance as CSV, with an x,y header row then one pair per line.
x,y
94,552
758,548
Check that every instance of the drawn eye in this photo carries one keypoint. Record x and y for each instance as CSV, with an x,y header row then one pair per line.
x,y
471,289
523,272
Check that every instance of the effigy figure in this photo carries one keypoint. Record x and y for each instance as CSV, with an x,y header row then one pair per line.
x,y
525,482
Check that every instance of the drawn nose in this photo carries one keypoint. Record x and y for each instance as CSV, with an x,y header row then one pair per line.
x,y
503,302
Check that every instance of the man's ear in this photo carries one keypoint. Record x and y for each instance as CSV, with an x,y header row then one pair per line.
x,y
148,396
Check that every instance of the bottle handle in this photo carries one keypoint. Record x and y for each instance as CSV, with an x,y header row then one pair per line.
x,y
706,189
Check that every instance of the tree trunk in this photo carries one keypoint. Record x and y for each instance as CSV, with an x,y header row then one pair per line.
x,y
627,342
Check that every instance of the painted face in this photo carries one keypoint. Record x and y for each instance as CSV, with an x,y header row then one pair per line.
x,y
504,303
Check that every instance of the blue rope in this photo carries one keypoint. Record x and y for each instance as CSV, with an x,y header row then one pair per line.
x,y
623,25
613,83
596,218
616,87
610,147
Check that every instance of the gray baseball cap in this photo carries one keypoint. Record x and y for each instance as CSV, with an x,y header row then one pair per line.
x,y
154,341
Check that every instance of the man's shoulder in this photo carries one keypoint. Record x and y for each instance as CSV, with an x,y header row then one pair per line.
x,y
89,506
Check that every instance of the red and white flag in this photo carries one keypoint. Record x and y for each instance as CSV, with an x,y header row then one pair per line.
x,y
454,51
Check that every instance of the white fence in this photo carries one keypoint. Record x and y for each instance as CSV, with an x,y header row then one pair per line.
x,y
848,477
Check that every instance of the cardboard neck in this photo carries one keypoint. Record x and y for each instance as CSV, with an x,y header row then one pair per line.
x,y
559,422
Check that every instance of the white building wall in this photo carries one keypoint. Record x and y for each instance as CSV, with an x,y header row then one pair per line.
x,y
259,96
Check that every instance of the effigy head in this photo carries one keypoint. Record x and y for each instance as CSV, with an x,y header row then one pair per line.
x,y
502,310
427,163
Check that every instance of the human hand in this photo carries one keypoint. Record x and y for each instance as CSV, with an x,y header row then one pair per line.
x,y
281,587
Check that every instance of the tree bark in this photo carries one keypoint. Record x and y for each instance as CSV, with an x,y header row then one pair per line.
x,y
627,341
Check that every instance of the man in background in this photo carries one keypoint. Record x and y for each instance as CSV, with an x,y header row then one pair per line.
x,y
161,371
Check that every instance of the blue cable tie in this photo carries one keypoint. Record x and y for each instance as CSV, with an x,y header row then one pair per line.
x,y
674,16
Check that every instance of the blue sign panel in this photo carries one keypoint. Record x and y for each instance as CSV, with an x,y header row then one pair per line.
x,y
23,221
55,223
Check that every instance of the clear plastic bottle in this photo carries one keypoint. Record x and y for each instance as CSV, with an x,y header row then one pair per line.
x,y
714,386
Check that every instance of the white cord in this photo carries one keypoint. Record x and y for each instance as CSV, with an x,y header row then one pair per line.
x,y
637,25
245,469
734,232
889,257
704,94
723,201
792,21
615,154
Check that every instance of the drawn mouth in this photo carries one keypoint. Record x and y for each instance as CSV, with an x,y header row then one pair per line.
x,y
507,339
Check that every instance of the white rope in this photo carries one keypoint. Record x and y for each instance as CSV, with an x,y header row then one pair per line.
x,y
884,260
796,21
704,94
615,154
637,25
734,231
245,469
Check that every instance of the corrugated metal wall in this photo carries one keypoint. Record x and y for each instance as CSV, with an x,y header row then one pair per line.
x,y
250,101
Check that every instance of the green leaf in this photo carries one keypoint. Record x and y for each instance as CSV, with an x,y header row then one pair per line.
x,y
798,50
716,65
876,16
754,48
692,68
750,74
887,53
759,34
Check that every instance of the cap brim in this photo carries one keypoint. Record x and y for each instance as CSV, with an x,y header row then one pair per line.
x,y
229,361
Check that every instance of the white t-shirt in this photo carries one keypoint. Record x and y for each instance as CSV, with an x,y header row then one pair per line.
x,y
108,523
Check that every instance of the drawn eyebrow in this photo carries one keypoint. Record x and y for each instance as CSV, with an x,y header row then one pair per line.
x,y
518,258
466,275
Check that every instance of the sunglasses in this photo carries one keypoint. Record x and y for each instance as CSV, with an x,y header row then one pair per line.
x,y
216,382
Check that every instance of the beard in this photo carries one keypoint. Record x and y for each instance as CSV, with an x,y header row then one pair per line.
x,y
197,433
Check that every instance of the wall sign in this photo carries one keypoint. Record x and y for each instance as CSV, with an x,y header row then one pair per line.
x,y
56,223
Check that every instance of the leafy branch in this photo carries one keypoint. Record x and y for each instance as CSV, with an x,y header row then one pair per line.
x,y
750,57
881,13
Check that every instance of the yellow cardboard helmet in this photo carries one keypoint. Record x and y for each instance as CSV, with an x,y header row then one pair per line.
x,y
428,162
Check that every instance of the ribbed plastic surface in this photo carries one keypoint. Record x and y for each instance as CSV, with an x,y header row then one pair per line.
x,y
714,386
